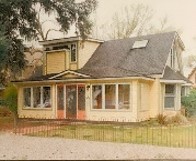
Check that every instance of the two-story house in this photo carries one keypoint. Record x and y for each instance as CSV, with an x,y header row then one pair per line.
x,y
126,80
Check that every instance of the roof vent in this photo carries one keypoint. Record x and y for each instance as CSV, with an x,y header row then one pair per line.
x,y
140,44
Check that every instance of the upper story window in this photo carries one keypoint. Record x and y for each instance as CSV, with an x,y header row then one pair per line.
x,y
172,58
73,53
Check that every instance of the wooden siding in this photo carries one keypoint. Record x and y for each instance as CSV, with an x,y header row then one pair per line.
x,y
55,62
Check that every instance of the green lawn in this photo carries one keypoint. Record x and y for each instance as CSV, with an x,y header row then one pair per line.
x,y
174,136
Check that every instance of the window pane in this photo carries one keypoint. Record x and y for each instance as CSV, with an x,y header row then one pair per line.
x,y
170,89
27,97
36,97
97,96
60,97
46,97
73,53
110,96
81,98
123,96
169,102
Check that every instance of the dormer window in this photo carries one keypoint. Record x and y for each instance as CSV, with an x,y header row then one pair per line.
x,y
172,59
73,53
140,44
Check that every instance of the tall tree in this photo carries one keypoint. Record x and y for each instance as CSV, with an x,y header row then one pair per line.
x,y
134,20
18,18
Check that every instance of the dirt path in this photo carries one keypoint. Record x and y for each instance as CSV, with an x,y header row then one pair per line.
x,y
28,148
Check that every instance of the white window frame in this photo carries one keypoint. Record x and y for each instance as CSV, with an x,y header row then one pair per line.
x,y
41,98
169,96
116,96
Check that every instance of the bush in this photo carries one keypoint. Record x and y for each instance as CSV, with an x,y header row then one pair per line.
x,y
10,98
177,119
162,119
189,103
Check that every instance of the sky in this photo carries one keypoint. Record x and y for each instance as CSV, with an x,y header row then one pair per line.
x,y
181,14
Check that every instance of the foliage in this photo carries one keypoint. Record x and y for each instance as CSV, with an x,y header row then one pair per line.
x,y
10,97
133,20
18,22
189,103
162,119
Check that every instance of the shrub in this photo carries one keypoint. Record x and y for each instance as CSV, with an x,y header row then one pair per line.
x,y
189,103
178,119
162,119
10,98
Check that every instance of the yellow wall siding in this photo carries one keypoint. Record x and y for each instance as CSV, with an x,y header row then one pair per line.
x,y
143,101
55,62
86,50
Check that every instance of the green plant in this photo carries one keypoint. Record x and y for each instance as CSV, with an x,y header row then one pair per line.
x,y
161,119
10,97
189,103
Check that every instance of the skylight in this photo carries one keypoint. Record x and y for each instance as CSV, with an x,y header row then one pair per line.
x,y
139,44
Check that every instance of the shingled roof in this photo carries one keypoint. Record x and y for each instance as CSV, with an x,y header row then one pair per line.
x,y
116,58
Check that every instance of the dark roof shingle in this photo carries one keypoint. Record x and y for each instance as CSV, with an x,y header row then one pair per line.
x,y
115,56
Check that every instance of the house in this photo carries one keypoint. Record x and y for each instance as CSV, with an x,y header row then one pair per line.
x,y
192,77
126,80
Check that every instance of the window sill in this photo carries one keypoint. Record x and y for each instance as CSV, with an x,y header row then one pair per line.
x,y
112,110
41,109
169,109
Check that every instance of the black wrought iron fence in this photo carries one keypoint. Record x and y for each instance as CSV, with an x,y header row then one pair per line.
x,y
171,135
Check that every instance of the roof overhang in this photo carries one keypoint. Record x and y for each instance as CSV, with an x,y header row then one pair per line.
x,y
173,81
80,80
68,39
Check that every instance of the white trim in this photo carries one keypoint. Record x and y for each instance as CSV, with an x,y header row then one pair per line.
x,y
60,50
65,40
79,80
69,72
173,81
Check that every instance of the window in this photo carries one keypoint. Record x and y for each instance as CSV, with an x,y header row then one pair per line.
x,y
110,97
172,58
60,97
73,52
169,96
37,97
123,96
97,96
46,97
27,97
140,44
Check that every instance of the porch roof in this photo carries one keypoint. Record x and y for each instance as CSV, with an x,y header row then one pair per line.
x,y
171,75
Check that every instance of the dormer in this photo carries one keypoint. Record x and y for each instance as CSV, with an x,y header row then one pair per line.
x,y
67,53
174,60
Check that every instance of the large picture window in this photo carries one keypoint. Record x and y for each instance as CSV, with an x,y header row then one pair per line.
x,y
123,96
97,96
27,97
170,96
37,97
110,96
114,96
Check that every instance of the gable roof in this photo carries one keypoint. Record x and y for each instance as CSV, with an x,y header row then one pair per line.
x,y
116,58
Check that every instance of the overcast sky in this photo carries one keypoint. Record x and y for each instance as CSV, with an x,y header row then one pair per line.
x,y
181,15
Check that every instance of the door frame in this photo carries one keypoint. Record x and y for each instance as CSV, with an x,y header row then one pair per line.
x,y
65,96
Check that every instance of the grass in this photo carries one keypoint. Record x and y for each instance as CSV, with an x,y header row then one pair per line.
x,y
173,136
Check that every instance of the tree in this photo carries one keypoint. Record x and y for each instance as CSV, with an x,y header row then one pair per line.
x,y
19,20
134,20
10,98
